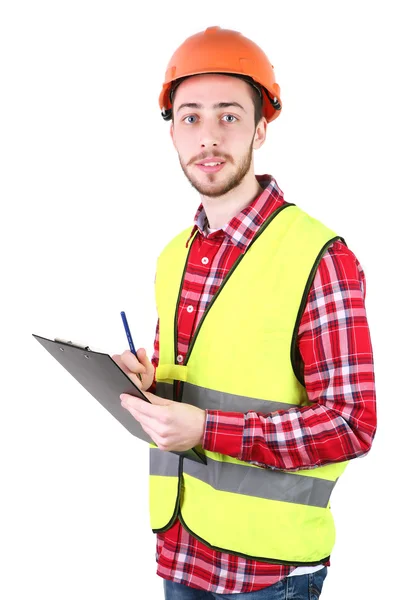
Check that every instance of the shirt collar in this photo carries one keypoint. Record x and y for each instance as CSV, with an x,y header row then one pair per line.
x,y
242,227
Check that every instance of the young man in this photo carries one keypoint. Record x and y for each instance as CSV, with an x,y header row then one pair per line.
x,y
262,350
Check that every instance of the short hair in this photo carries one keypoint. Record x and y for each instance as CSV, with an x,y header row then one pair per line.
x,y
256,96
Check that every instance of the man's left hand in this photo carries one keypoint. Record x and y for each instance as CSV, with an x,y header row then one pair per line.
x,y
171,425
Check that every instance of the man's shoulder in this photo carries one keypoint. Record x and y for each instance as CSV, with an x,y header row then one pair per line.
x,y
310,220
340,259
303,228
338,248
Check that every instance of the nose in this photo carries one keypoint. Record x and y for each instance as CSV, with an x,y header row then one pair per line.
x,y
209,134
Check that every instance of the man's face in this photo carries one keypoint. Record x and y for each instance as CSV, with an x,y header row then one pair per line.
x,y
207,130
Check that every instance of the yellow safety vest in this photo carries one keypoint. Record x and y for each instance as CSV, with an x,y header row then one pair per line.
x,y
243,357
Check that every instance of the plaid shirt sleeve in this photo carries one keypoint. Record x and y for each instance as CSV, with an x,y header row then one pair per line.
x,y
335,346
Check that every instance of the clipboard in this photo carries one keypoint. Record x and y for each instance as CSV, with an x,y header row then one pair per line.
x,y
100,375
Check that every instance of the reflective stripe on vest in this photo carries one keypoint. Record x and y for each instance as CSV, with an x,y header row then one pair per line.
x,y
248,480
214,400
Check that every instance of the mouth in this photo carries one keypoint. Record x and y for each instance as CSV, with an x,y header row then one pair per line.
x,y
210,167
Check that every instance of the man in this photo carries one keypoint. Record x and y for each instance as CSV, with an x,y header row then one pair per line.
x,y
262,353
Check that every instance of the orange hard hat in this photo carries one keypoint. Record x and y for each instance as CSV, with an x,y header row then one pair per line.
x,y
218,50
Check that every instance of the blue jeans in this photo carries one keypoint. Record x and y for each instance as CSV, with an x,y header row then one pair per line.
x,y
299,587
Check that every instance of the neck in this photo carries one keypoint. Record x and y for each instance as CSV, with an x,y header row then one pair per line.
x,y
221,209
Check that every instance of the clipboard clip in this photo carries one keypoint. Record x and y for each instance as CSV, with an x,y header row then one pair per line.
x,y
76,344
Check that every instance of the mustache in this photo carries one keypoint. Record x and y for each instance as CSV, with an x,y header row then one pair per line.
x,y
204,156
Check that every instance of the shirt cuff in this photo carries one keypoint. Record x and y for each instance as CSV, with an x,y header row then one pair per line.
x,y
223,432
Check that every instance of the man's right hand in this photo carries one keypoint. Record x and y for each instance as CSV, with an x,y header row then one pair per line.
x,y
130,365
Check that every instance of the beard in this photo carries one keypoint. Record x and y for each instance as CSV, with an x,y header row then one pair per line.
x,y
211,188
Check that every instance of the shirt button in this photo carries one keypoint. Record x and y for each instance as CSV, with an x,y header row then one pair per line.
x,y
204,260
179,358
189,309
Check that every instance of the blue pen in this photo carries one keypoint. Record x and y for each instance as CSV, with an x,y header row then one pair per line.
x,y
128,335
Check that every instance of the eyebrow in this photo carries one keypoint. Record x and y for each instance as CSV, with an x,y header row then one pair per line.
x,y
215,106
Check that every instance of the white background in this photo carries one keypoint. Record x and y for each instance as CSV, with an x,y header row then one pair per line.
x,y
91,190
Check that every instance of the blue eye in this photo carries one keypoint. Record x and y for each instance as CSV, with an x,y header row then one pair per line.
x,y
189,117
231,116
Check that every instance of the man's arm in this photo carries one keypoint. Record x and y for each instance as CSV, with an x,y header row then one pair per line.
x,y
335,346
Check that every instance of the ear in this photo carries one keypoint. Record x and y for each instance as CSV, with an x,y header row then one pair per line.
x,y
260,133
171,132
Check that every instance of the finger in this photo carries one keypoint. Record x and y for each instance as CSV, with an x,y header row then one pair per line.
x,y
149,424
145,421
131,411
151,434
144,359
134,403
135,379
145,408
150,427
132,363
117,359
157,400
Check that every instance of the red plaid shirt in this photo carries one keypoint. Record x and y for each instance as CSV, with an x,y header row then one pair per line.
x,y
335,347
